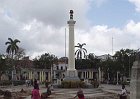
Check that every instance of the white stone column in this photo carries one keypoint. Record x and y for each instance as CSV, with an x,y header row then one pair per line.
x,y
72,73
31,74
89,74
39,76
71,61
92,74
43,76
99,76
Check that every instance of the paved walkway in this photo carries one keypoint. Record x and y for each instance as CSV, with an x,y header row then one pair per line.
x,y
103,91
70,93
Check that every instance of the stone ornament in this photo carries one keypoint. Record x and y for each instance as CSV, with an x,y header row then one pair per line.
x,y
71,14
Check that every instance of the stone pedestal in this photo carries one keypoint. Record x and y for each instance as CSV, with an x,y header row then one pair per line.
x,y
71,75
58,82
135,81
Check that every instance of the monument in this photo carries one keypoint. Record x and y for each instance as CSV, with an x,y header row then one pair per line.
x,y
71,73
135,79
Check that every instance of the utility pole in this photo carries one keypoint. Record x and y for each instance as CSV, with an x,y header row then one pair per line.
x,y
65,47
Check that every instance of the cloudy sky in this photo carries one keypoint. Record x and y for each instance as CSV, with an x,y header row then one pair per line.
x,y
40,25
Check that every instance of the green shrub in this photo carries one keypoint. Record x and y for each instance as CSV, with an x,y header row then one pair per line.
x,y
125,83
72,84
95,84
18,82
47,83
5,82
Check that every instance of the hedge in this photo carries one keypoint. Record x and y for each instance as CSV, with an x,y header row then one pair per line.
x,y
73,84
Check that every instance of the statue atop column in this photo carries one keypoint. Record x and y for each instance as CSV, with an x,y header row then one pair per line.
x,y
71,14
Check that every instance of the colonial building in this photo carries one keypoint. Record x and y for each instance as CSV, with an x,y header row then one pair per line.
x,y
57,72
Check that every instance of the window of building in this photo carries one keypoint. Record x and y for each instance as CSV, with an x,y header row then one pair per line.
x,y
61,67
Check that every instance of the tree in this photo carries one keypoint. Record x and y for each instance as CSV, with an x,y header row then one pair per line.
x,y
12,49
91,56
79,52
125,59
91,62
94,60
20,53
2,64
45,61
5,64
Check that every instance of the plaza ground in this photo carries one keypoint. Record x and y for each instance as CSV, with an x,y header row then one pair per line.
x,y
104,91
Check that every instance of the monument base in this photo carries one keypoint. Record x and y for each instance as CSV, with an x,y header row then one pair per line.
x,y
71,75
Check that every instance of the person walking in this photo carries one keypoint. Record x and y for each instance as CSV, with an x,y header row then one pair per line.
x,y
36,84
80,94
35,93
123,94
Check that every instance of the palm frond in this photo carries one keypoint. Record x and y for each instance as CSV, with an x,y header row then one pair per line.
x,y
16,41
7,43
85,50
76,46
77,51
83,44
10,39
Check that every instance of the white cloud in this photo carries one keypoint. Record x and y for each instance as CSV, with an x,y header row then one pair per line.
x,y
40,26
137,4
50,12
133,28
99,38
98,3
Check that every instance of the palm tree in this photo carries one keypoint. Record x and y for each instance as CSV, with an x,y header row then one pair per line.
x,y
12,48
79,52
